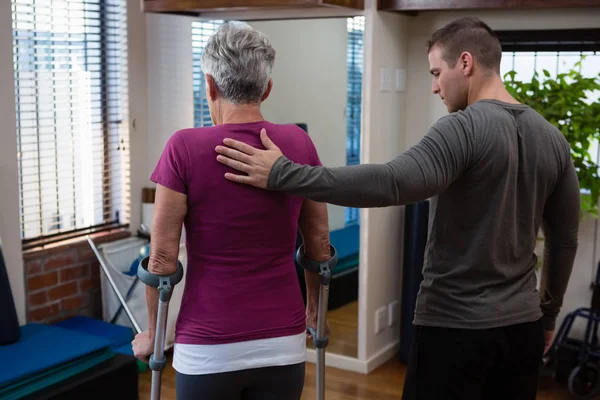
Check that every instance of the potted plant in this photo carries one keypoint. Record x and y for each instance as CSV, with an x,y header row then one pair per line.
x,y
565,101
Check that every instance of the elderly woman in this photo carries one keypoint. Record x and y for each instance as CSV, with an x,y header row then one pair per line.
x,y
241,329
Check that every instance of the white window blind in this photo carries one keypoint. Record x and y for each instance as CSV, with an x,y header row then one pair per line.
x,y
70,60
201,32
355,57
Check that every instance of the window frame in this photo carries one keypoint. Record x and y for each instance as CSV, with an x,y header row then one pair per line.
x,y
109,185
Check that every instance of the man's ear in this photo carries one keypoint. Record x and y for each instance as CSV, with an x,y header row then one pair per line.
x,y
268,91
212,87
466,63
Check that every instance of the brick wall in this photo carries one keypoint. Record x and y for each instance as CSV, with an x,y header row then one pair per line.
x,y
64,280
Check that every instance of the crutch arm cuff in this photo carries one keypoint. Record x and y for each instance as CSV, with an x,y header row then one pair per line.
x,y
320,267
155,280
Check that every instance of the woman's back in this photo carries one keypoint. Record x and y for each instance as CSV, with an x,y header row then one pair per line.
x,y
241,282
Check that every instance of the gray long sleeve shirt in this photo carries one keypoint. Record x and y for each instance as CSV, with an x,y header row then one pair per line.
x,y
495,173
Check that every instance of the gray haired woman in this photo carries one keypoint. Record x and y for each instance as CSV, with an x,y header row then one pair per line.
x,y
241,329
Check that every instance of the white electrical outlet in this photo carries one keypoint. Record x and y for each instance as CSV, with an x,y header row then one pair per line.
x,y
381,318
393,312
400,80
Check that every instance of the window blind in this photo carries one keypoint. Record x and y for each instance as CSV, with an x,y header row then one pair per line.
x,y
355,60
201,32
71,90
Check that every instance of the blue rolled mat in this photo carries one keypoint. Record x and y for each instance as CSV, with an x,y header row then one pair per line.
x,y
46,355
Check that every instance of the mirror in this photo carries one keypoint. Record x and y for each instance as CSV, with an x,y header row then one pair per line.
x,y
317,83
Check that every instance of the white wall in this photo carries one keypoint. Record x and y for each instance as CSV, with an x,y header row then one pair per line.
x,y
309,85
170,98
138,106
424,109
9,195
386,45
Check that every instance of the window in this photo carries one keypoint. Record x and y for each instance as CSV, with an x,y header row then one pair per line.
x,y
554,51
70,61
356,28
201,32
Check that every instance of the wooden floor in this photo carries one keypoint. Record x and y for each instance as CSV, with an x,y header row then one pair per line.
x,y
343,323
385,383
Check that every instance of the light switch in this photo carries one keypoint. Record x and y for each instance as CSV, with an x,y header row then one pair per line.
x,y
385,79
400,80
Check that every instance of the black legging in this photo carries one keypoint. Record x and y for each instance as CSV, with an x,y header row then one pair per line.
x,y
270,383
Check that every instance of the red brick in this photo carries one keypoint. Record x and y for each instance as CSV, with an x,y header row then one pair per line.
x,y
43,313
63,259
85,284
85,253
42,281
72,273
37,299
96,285
33,267
95,268
73,303
62,291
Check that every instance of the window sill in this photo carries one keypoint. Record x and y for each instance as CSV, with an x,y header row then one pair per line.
x,y
75,243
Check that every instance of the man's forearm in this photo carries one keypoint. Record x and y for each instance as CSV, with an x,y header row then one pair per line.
x,y
556,271
352,186
423,171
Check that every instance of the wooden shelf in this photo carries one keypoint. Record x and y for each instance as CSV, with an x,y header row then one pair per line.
x,y
414,6
198,7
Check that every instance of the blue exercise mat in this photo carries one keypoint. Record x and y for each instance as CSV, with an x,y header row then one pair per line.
x,y
45,355
117,335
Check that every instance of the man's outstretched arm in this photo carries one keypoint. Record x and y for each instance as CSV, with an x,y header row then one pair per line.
x,y
421,172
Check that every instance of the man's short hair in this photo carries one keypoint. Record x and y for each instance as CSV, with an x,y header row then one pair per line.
x,y
468,34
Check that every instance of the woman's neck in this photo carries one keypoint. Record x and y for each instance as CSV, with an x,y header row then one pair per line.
x,y
239,114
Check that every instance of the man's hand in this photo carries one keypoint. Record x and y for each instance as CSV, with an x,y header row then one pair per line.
x,y
548,337
143,346
255,162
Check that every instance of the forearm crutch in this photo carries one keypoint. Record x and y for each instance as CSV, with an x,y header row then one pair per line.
x,y
165,285
320,337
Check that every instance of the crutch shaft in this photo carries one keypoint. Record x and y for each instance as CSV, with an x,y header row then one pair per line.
x,y
322,311
156,380
320,374
157,359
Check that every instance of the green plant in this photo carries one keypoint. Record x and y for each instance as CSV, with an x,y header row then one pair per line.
x,y
564,101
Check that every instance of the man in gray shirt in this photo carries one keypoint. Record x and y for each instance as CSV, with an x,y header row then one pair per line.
x,y
495,171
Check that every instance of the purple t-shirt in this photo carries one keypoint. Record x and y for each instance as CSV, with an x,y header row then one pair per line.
x,y
241,282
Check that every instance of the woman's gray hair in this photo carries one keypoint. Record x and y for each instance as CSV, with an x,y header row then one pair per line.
x,y
240,59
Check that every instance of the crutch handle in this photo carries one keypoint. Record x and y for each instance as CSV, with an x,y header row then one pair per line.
x,y
320,343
